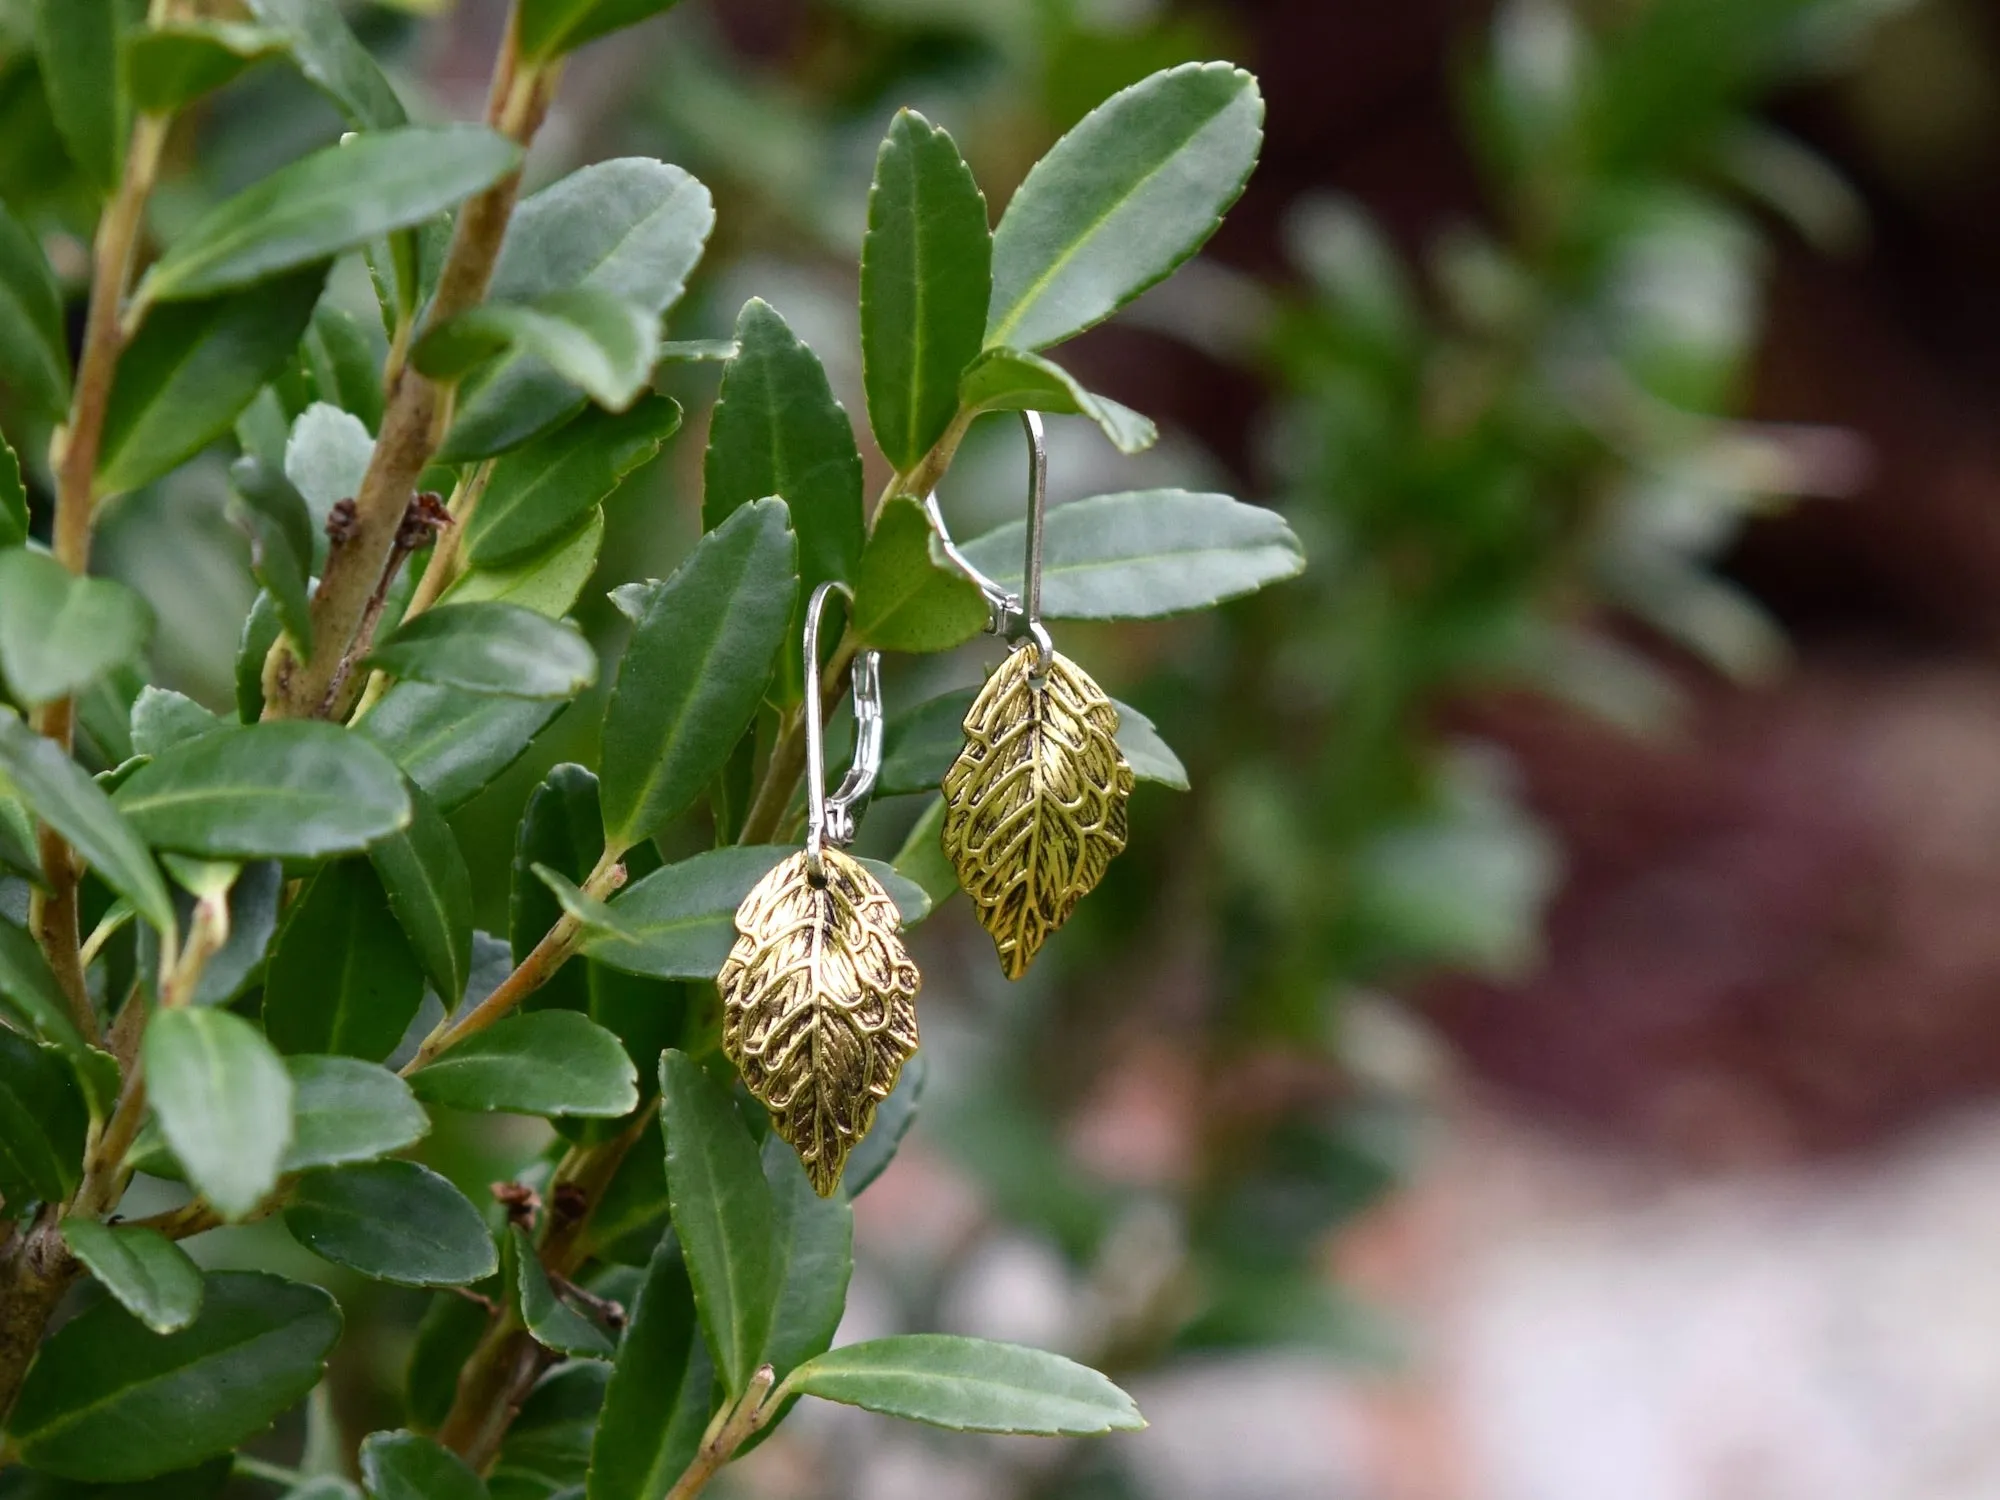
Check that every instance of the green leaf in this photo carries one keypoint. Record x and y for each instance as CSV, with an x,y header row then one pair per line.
x,y
261,629
78,45
404,1466
109,1400
253,918
34,351
893,1119
657,1402
18,851
451,742
546,1062
905,599
448,1332
224,1101
43,1119
970,1385
920,743
695,669
149,1274
346,364
335,200
776,430
679,921
594,339
547,1450
926,275
192,369
162,718
430,891
60,633
327,454
552,27
490,648
724,1214
333,60
203,1482
394,1221
1150,757
284,789
13,494
550,1321
343,979
347,1110
174,64
1121,201
634,228
29,992
1010,380
814,1258
548,581
59,792
1146,553
538,492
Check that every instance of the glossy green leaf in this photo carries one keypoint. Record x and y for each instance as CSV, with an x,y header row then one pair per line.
x,y
29,994
1011,380
970,1385
224,1102
679,921
347,1110
405,1466
60,633
253,918
920,743
814,1256
18,851
893,1119
394,1221
78,48
430,890
552,27
540,491
333,60
149,1274
724,1215
490,648
343,978
174,64
327,453
261,629
292,789
776,430
162,718
550,1321
906,597
110,1400
594,339
1146,553
546,1062
1150,757
14,521
202,1482
453,743
657,1402
548,581
547,1450
1135,189
34,351
926,276
632,227
43,1119
448,1332
346,364
334,200
192,369
58,791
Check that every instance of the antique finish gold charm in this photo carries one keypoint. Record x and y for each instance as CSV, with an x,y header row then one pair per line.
x,y
818,993
818,1008
1035,802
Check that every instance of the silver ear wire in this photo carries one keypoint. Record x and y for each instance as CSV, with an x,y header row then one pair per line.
x,y
831,820
1007,615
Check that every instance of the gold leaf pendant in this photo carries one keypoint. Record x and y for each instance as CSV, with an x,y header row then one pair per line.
x,y
1035,802
818,1009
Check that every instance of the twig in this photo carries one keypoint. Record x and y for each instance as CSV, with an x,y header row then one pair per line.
x,y
749,1414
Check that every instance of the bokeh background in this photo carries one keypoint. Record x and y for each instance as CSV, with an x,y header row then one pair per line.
x,y
1551,1052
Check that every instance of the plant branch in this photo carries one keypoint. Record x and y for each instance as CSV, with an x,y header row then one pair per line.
x,y
745,1418
410,435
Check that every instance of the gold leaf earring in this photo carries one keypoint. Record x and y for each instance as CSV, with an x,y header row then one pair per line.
x,y
1035,802
818,993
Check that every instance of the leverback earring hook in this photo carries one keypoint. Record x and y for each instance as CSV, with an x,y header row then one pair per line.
x,y
831,820
1008,616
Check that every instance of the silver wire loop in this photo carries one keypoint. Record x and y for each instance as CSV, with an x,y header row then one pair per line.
x,y
1008,615
831,820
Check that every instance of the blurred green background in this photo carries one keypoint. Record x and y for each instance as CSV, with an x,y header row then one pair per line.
x,y
1621,771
